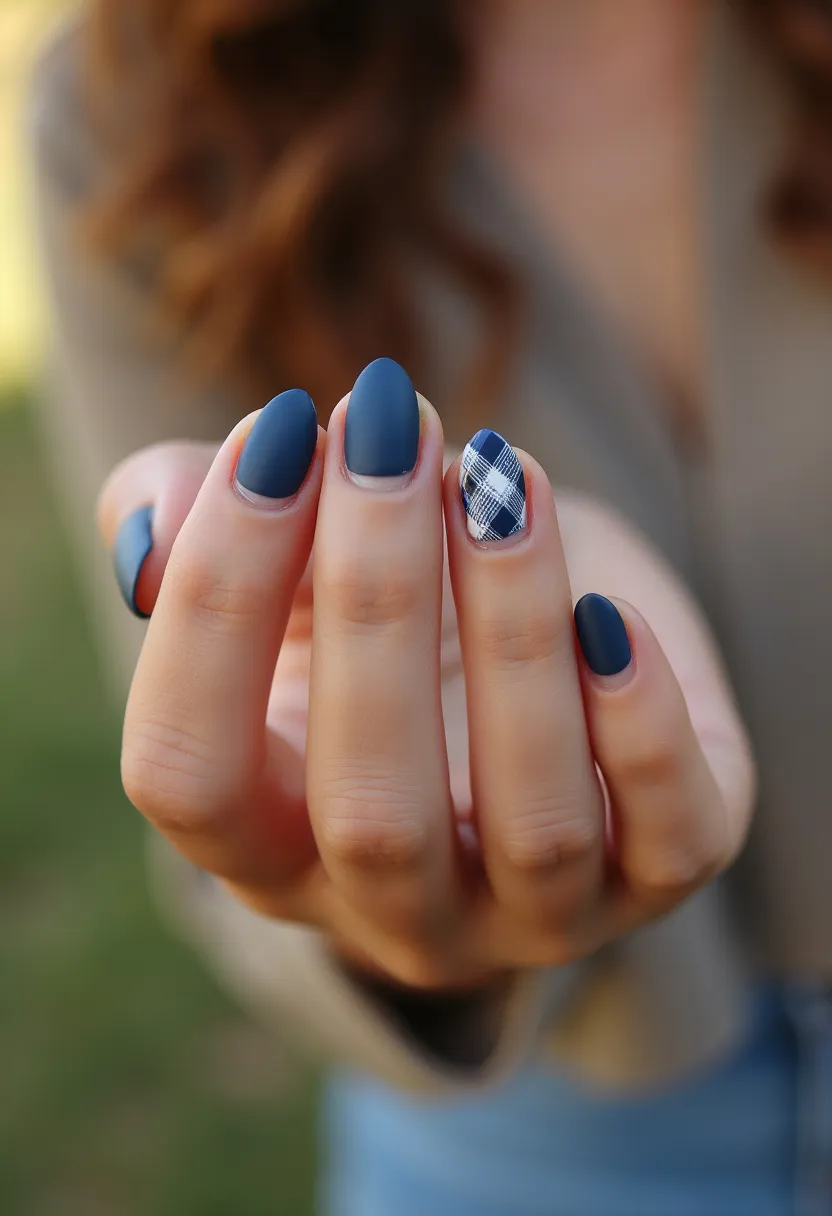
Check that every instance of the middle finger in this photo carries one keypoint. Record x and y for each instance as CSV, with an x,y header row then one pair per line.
x,y
377,772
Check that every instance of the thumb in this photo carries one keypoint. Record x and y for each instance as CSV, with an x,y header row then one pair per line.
x,y
141,508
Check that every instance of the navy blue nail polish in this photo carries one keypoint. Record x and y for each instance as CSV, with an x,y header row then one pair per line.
x,y
602,634
133,542
493,487
381,433
278,451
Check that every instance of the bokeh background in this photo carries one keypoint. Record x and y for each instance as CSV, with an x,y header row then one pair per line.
x,y
129,1086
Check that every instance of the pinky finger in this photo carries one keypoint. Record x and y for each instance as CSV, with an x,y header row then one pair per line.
x,y
674,825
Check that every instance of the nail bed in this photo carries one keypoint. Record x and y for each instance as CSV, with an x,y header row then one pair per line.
x,y
132,545
381,432
493,487
602,635
279,448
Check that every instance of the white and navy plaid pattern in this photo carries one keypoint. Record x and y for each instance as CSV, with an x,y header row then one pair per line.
x,y
493,487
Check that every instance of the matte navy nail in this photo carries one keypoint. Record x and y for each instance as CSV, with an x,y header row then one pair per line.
x,y
602,634
278,451
133,542
381,434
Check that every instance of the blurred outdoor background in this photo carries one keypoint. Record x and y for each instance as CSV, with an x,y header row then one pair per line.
x,y
130,1086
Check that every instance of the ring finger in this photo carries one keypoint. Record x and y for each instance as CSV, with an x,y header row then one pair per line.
x,y
537,798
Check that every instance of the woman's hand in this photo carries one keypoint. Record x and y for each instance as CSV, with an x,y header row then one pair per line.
x,y
313,750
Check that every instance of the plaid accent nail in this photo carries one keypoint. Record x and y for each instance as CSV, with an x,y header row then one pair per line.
x,y
493,487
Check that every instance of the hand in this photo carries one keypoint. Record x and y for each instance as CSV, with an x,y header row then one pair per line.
x,y
294,744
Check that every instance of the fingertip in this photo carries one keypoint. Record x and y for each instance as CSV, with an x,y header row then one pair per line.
x,y
131,548
430,439
603,637
141,508
611,633
110,510
279,447
271,460
429,415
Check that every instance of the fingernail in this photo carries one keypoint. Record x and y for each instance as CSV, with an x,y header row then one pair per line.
x,y
602,635
493,487
133,542
278,451
381,433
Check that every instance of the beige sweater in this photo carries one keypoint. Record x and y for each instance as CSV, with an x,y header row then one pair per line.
x,y
746,527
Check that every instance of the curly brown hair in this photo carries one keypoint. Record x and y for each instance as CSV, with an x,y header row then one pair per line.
x,y
291,154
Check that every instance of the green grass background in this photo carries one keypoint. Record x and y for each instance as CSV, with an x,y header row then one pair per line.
x,y
129,1086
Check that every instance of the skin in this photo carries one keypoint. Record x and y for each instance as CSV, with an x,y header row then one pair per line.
x,y
285,727
298,724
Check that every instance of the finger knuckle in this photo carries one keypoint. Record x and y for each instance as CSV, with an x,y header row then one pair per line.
x,y
365,596
651,764
169,776
217,603
542,838
371,828
520,638
680,868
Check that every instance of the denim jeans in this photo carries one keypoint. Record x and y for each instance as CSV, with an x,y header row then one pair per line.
x,y
751,1136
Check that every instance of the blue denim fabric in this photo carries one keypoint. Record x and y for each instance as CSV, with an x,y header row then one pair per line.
x,y
749,1137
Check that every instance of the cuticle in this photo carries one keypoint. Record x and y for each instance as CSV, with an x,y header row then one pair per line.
x,y
410,474
261,502
506,545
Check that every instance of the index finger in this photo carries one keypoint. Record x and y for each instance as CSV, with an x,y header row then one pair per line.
x,y
197,759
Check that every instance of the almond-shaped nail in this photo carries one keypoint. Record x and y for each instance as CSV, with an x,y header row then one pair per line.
x,y
493,487
279,448
381,431
602,635
133,543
